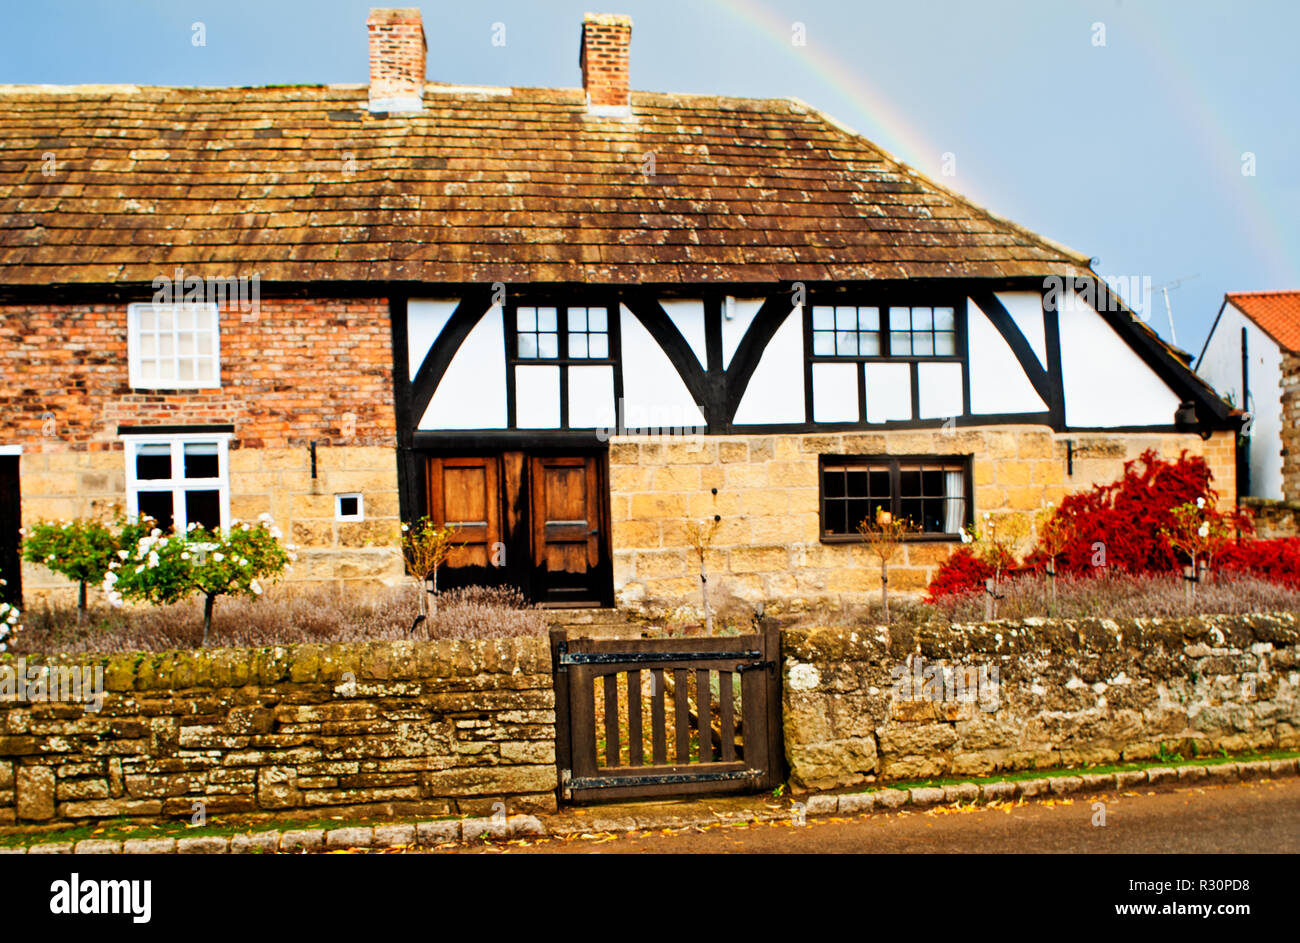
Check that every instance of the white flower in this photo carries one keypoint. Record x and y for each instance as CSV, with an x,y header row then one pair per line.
x,y
153,559
185,555
264,517
256,587
122,554
1203,530
155,533
110,578
140,568
218,557
406,527
243,561
1200,502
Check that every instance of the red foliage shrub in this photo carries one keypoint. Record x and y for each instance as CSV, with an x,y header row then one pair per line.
x,y
1277,560
1123,523
963,572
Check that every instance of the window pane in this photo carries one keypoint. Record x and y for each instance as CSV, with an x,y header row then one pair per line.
x,y
909,483
846,318
186,370
598,345
148,371
836,518
833,483
578,345
922,345
899,319
823,318
548,345
148,319
201,460
879,484
148,345
185,344
158,505
527,345
153,461
943,319
166,345
165,319
577,319
846,344
945,344
858,510
900,344
823,344
597,319
857,483
868,319
185,319
203,508
526,319
546,319
869,345
203,345
922,319
205,370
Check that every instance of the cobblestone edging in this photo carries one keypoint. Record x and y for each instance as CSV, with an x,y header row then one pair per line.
x,y
432,834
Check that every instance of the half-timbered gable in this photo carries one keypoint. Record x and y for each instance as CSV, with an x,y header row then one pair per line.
x,y
606,316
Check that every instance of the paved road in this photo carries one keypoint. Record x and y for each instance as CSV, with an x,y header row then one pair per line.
x,y
1238,817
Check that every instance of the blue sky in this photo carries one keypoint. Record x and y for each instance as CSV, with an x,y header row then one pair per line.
x,y
1131,151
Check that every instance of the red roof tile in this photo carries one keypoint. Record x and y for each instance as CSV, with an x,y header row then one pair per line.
x,y
1276,312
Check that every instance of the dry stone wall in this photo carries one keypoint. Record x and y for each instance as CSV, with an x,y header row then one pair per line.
x,y
859,704
408,728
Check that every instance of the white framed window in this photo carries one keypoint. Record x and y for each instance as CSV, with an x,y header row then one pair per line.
x,y
349,507
179,480
173,346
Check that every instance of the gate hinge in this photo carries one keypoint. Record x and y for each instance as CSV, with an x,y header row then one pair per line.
x,y
757,665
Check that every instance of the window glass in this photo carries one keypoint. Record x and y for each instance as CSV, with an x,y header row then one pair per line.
x,y
173,345
929,493
153,461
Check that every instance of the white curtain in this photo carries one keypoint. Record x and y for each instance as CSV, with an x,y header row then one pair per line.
x,y
954,517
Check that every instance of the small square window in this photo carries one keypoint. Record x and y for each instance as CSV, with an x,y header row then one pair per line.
x,y
349,507
173,346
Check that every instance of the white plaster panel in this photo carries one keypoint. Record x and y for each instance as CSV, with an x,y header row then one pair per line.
x,y
775,390
472,393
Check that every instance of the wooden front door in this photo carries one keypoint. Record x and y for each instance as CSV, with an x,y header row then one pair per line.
x,y
536,522
568,527
10,521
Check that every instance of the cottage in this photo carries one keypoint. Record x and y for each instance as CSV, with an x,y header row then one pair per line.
x,y
1252,357
572,322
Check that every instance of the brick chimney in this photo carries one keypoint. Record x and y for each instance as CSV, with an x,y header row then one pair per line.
x,y
605,41
397,55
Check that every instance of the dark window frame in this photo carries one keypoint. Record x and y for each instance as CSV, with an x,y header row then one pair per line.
x,y
895,464
561,301
882,299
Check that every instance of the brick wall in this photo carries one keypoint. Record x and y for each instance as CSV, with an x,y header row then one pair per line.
x,y
383,728
768,549
293,372
1066,694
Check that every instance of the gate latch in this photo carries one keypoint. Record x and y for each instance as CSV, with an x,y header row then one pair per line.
x,y
756,666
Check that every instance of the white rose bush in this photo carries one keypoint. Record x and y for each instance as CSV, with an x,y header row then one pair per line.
x,y
165,568
9,624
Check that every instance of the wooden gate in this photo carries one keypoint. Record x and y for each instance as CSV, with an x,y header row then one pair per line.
x,y
623,705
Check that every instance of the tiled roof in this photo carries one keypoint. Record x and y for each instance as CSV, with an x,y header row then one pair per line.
x,y
1276,312
514,185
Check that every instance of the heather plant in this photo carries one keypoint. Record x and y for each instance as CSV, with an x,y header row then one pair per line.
x,y
81,550
884,537
164,568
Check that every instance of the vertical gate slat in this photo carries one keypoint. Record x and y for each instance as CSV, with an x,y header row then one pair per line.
x,y
610,683
703,719
681,715
658,727
582,713
635,755
726,693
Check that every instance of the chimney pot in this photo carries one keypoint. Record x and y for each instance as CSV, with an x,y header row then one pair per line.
x,y
397,56
606,38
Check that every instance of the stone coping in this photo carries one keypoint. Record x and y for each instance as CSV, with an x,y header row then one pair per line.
x,y
661,815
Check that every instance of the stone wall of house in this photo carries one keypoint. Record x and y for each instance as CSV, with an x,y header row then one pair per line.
x,y
767,548
857,706
385,728
292,372
1290,427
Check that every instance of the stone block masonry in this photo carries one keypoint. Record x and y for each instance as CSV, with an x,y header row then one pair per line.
x,y
768,547
1068,693
383,728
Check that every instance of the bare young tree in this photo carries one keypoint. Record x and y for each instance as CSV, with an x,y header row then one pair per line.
x,y
884,537
425,546
701,535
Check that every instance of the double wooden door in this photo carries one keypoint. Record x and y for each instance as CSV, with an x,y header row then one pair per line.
x,y
536,521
